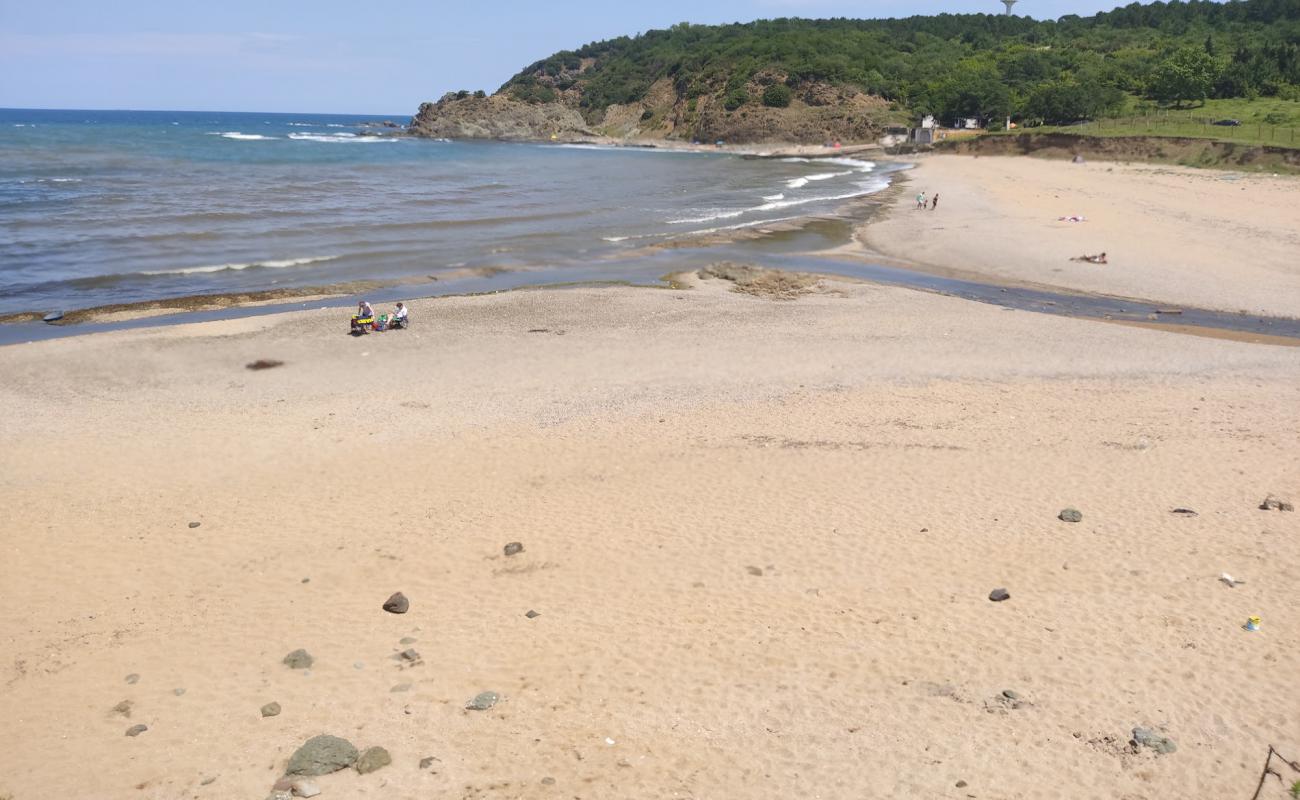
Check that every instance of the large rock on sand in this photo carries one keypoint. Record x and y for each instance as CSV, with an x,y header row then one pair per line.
x,y
322,755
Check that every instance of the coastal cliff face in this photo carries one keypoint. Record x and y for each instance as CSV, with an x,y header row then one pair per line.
x,y
496,117
814,114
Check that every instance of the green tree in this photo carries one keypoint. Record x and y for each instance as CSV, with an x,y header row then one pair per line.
x,y
1187,74
777,95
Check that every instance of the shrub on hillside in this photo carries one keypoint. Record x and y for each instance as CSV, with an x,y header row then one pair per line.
x,y
777,95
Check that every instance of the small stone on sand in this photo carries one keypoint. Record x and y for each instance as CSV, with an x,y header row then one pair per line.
x,y
408,640
136,730
179,692
1070,515
427,762
271,710
409,656
514,548
1272,503
483,701
133,678
305,789
999,595
1145,737
401,687
757,572
123,708
397,604
195,524
299,659
532,615
372,759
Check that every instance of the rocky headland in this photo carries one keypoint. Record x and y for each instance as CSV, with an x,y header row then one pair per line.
x,y
815,114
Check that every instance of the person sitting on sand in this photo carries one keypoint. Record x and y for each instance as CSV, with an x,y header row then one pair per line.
x,y
364,318
399,316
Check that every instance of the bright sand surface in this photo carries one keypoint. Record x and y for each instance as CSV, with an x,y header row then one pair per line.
x,y
1176,235
760,537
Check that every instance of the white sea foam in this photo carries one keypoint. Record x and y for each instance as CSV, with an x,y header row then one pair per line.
x,y
288,262
825,176
708,217
776,202
773,197
615,238
796,160
336,138
797,183
245,137
615,148
740,226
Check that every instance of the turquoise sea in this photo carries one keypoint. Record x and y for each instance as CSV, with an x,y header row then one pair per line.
x,y
100,207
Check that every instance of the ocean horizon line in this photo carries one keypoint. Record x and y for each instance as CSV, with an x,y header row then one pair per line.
x,y
205,111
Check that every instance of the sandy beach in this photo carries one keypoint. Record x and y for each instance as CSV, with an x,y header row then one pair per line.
x,y
1220,240
759,536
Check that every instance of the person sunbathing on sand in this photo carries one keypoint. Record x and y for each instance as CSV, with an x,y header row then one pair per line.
x,y
1100,258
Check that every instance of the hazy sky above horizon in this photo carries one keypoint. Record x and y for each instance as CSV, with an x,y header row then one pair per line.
x,y
344,56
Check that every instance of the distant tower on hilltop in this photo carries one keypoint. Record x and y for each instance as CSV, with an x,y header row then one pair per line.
x,y
1009,4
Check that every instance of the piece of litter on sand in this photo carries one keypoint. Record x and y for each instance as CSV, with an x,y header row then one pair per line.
x,y
1073,218
1230,581
1183,512
609,741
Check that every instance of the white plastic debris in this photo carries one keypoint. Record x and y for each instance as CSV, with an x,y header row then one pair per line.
x,y
1229,580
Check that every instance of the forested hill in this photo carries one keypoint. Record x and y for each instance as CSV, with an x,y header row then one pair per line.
x,y
972,65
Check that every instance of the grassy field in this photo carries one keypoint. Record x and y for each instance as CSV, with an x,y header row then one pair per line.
x,y
1265,121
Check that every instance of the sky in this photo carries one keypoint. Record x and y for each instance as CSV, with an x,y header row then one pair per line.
x,y
346,56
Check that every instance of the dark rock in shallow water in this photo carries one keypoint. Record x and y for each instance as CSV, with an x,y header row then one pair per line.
x,y
136,730
271,710
1145,737
299,659
999,595
322,755
514,548
372,759
397,604
1070,515
483,701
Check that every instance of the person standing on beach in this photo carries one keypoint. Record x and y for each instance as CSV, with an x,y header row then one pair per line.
x,y
934,201
920,200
